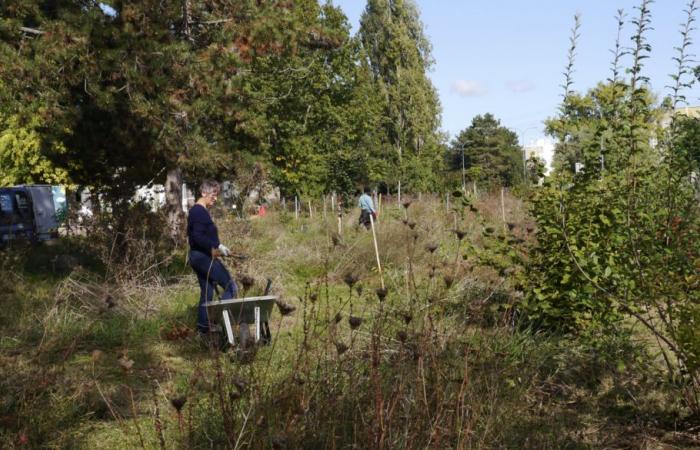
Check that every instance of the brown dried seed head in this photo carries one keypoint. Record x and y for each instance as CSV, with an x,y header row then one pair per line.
x,y
406,204
285,309
341,348
354,322
460,234
381,293
178,402
449,280
246,281
431,247
350,279
401,336
338,317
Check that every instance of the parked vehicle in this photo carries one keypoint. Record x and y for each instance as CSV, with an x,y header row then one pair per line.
x,y
27,212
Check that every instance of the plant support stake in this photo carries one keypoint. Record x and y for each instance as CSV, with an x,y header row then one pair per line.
x,y
376,250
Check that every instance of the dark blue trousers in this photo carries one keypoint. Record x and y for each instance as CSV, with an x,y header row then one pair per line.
x,y
210,273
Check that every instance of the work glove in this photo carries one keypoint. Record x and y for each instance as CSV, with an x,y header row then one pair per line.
x,y
224,250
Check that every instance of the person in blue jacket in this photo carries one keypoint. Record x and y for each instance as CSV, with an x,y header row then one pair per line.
x,y
366,208
205,253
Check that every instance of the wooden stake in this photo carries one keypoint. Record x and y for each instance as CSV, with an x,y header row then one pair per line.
x,y
340,224
379,204
296,208
311,213
376,250
324,206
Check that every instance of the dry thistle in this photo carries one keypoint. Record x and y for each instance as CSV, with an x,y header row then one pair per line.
x,y
411,225
350,279
401,336
381,293
234,395
489,230
511,226
449,280
354,322
285,309
341,348
460,234
338,317
431,247
313,296
178,402
406,204
407,317
246,281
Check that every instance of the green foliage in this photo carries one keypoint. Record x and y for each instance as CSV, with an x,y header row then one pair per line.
x,y
618,241
400,55
22,159
491,152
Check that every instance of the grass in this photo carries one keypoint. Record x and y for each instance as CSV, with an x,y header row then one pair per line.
x,y
91,358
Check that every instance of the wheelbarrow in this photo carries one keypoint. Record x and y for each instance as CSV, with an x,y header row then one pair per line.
x,y
242,312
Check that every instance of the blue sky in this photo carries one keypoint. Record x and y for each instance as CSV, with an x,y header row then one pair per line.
x,y
506,57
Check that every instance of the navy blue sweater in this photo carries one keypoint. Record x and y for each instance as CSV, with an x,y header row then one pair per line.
x,y
201,231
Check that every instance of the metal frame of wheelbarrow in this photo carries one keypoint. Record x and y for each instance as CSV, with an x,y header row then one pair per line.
x,y
246,310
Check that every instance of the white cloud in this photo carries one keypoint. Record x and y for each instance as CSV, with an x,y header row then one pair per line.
x,y
520,86
468,88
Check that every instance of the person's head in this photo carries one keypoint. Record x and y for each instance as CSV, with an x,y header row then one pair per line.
x,y
367,190
210,192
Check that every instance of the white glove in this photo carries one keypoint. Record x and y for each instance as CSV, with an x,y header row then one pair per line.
x,y
224,250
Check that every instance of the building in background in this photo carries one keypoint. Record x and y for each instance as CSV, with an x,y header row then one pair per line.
x,y
542,148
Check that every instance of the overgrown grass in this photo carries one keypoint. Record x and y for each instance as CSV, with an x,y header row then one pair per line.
x,y
91,358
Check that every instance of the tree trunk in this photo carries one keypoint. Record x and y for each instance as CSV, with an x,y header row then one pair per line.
x,y
173,201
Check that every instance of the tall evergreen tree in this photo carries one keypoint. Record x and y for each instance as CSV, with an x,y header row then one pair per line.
x,y
491,152
400,55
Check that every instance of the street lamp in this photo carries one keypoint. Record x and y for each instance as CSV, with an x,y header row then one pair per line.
x,y
522,140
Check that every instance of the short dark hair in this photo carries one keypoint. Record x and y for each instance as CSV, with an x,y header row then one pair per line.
x,y
367,190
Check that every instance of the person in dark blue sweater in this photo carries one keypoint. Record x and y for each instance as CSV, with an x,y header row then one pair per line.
x,y
205,251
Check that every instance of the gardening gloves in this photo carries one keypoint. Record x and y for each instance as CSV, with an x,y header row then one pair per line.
x,y
223,250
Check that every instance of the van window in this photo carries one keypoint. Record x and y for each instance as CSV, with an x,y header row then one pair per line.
x,y
24,207
8,214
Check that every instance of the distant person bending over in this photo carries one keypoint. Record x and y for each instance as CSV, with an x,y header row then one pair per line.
x,y
205,250
366,209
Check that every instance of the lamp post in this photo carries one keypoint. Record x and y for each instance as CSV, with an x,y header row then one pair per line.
x,y
522,140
